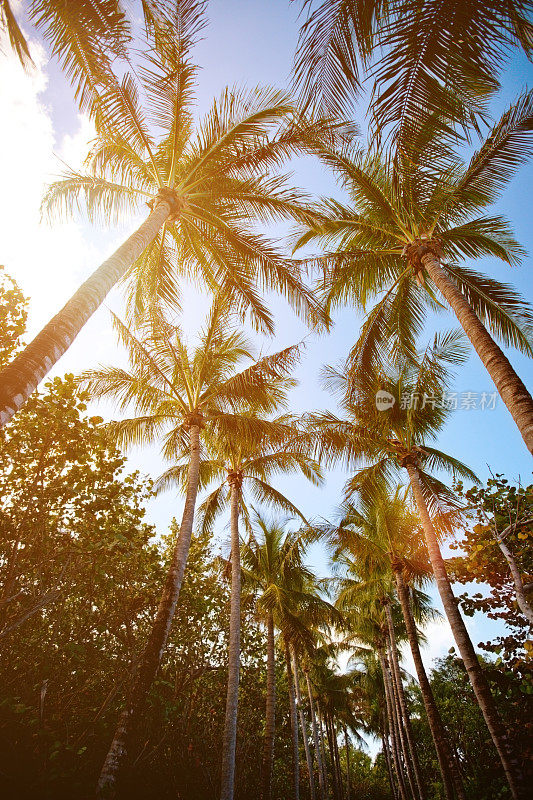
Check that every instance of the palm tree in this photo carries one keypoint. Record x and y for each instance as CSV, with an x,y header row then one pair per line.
x,y
246,457
179,394
366,593
383,539
422,58
408,222
397,439
286,599
204,185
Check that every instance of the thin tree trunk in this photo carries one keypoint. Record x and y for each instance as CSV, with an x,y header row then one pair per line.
x,y
294,727
334,773
400,723
395,746
308,756
234,654
270,716
337,758
387,754
21,377
403,702
450,774
321,775
521,598
148,664
466,649
510,388
347,747
323,751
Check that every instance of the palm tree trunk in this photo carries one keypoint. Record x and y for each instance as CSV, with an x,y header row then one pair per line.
x,y
321,775
387,754
337,759
466,649
334,774
148,664
395,746
323,751
20,378
403,703
294,727
234,654
270,716
510,388
347,748
400,723
451,777
308,757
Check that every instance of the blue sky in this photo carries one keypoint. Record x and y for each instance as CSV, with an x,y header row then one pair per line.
x,y
247,42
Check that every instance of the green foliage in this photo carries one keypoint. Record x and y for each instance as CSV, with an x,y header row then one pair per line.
x,y
498,507
13,315
468,734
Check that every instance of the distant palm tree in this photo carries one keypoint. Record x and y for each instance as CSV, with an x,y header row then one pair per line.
x,y
243,463
179,394
273,567
204,183
389,441
399,238
382,539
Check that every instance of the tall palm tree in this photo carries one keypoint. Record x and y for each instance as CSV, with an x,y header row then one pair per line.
x,y
243,462
401,237
178,394
397,439
421,57
383,539
273,567
204,185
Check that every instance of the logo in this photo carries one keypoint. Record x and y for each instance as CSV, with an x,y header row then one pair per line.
x,y
384,400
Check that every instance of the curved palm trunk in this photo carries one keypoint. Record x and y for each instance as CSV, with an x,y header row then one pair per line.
x,y
148,663
403,702
337,758
466,649
270,717
395,747
20,378
316,740
448,767
294,727
510,388
308,756
232,698
323,749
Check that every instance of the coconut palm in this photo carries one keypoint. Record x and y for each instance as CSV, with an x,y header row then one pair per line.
x,y
401,238
421,57
204,184
243,463
286,599
384,539
395,440
366,593
178,394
